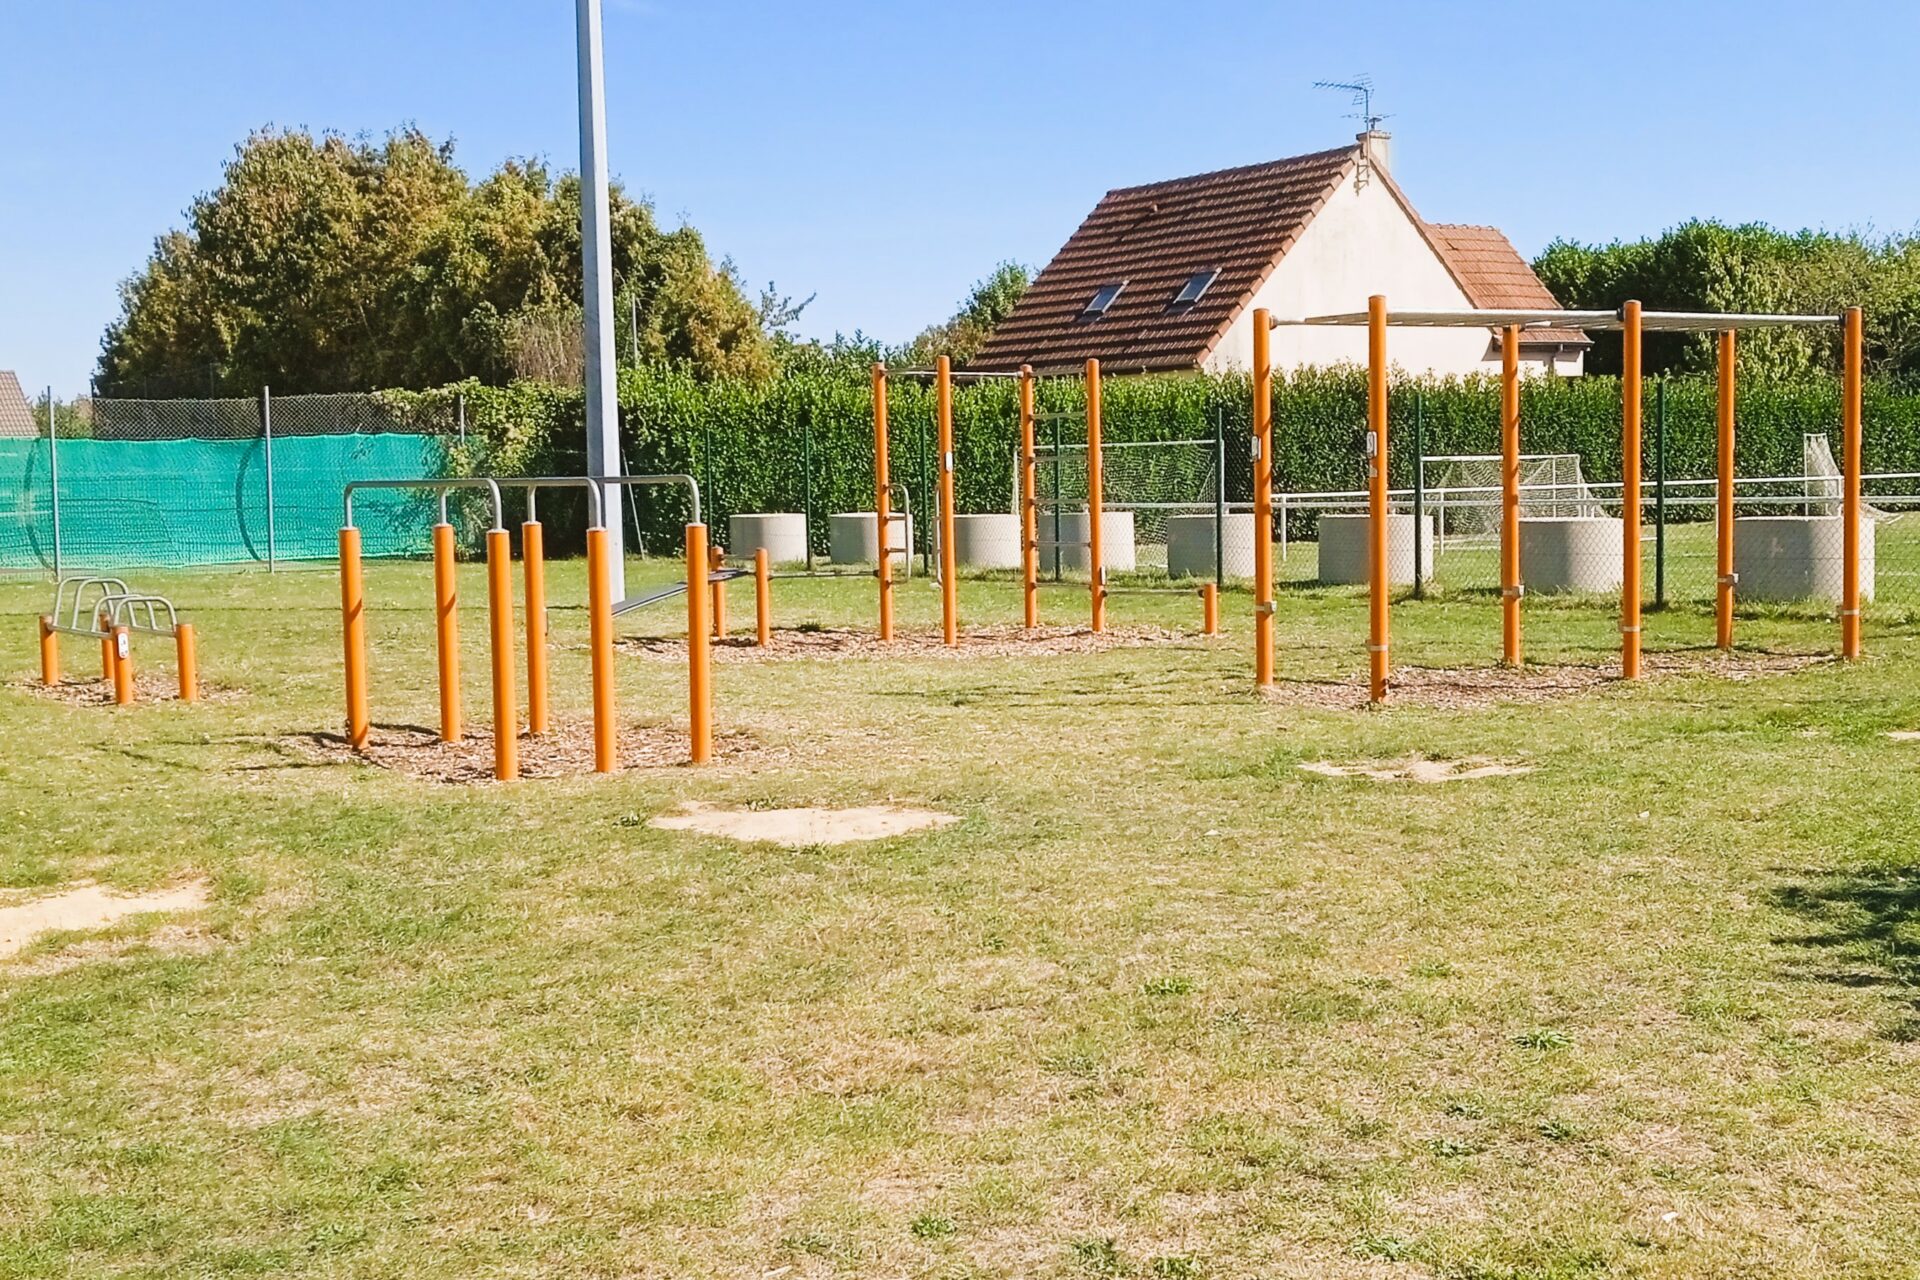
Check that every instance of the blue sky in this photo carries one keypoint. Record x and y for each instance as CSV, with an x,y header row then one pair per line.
x,y
885,156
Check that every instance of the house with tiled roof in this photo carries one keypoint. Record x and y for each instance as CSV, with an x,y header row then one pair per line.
x,y
16,415
1166,276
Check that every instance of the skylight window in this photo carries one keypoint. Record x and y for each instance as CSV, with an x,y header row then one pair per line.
x,y
1196,287
1102,299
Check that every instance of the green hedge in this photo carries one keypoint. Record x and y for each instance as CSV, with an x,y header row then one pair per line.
x,y
748,444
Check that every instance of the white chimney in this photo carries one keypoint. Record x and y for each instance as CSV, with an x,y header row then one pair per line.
x,y
1377,146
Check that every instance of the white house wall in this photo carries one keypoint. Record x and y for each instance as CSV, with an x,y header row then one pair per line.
x,y
1361,243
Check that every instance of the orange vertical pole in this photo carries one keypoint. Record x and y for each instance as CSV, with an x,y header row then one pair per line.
x,y
446,612
187,660
949,562
533,557
1630,491
122,667
1509,496
353,617
506,726
1852,395
763,598
600,643
1096,502
717,587
1210,609
1029,505
699,655
1378,622
49,652
1723,507
882,501
1262,449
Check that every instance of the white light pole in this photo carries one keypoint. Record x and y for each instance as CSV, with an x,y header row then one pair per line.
x,y
596,263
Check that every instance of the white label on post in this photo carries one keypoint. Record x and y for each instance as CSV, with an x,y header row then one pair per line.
x,y
120,643
1373,444
946,460
1256,448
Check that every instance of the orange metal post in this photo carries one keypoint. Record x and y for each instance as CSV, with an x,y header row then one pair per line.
x,y
882,500
446,613
763,598
533,557
506,726
187,660
1509,495
1096,503
1210,609
716,559
699,655
1723,453
949,563
1630,491
600,642
1378,622
353,617
1262,448
1851,416
122,667
49,652
1029,504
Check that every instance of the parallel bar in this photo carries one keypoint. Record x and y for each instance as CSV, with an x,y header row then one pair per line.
x,y
1630,493
1851,416
1262,446
1096,506
1669,321
1379,623
1723,458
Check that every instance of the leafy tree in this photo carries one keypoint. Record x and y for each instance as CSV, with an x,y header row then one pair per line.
x,y
963,334
1710,266
323,264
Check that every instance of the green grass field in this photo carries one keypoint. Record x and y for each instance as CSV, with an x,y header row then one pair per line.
x,y
1159,1004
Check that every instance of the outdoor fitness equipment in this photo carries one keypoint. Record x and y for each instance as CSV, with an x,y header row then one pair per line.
x,y
106,609
1631,322
601,611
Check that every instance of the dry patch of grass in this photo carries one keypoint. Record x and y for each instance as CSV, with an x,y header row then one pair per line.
x,y
800,828
84,906
1419,769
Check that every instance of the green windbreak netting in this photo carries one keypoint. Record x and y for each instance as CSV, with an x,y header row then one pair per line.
x,y
204,502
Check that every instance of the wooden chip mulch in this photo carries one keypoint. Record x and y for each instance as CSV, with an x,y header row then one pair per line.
x,y
566,750
1468,687
975,642
159,686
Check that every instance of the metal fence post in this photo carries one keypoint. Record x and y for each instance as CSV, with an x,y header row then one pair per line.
x,y
266,442
460,414
1660,494
1220,496
1419,494
53,475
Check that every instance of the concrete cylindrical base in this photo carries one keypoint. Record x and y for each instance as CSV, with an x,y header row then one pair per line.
x,y
851,537
782,534
1343,548
986,541
1796,557
1571,553
1190,549
1117,552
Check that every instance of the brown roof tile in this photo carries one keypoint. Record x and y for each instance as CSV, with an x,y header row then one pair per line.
x,y
1495,276
1155,237
16,415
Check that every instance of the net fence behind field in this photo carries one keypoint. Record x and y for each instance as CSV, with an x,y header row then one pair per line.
x,y
179,483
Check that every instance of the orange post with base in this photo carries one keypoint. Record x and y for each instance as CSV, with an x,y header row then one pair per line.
x,y
1630,491
762,598
1210,609
186,659
1096,502
882,501
1509,495
1378,621
533,557
1723,507
717,586
699,653
1262,449
446,614
122,667
949,559
1029,506
353,616
49,653
1851,425
600,646
506,727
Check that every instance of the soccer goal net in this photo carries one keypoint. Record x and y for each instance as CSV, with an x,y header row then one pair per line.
x,y
1463,490
1151,481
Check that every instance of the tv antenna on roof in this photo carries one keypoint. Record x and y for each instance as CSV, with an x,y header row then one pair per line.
x,y
1361,87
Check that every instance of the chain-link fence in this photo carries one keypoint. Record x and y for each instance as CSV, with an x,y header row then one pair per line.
x,y
111,483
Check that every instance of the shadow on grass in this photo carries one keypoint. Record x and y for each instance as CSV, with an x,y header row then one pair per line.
x,y
1866,934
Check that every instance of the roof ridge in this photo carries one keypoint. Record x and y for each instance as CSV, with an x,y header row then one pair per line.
x,y
1329,153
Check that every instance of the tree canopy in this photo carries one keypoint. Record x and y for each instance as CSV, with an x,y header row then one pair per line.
x,y
329,264
1711,266
963,334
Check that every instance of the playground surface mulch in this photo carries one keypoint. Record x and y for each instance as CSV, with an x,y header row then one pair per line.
x,y
158,686
917,642
566,750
